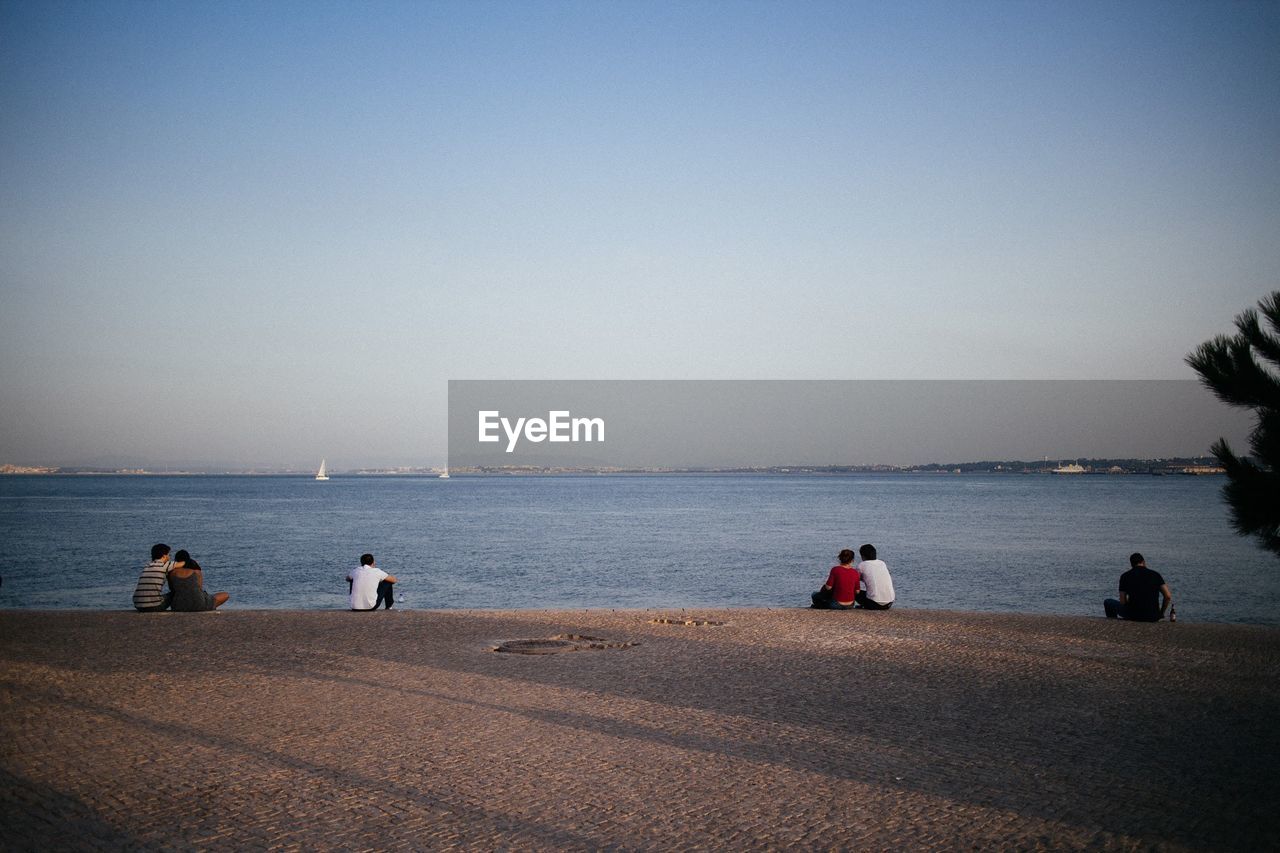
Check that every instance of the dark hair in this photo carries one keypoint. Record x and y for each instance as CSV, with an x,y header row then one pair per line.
x,y
182,556
846,556
868,552
366,559
193,565
158,550
1135,558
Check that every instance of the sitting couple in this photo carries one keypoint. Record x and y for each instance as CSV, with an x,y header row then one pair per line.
x,y
186,585
841,592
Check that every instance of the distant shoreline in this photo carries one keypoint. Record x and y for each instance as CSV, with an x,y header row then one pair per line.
x,y
1185,465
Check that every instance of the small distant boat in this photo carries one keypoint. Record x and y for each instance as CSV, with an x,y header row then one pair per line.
x,y
1071,468
321,475
445,475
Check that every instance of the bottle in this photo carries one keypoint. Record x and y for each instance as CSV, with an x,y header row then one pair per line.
x,y
1173,614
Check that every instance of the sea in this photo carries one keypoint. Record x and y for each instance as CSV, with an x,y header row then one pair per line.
x,y
978,542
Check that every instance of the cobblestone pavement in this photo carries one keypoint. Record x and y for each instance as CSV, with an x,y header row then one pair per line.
x,y
782,728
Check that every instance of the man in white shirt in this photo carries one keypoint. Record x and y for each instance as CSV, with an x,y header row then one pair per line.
x,y
370,585
878,594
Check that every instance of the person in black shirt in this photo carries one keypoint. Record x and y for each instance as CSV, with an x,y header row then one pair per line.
x,y
1144,596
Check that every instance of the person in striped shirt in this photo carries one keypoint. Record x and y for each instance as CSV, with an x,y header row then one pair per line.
x,y
149,596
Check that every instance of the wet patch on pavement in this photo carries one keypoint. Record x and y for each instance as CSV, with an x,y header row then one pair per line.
x,y
560,643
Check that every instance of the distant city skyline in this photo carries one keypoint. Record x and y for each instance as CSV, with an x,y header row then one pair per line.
x,y
1199,465
255,235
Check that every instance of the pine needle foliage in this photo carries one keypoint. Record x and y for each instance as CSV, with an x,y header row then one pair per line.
x,y
1243,370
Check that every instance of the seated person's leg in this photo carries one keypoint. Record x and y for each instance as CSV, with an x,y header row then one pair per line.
x,y
821,599
862,601
386,592
1111,607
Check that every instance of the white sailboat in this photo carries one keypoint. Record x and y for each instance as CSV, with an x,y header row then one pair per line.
x,y
321,475
445,475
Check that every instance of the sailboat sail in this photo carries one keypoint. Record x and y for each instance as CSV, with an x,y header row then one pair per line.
x,y
321,475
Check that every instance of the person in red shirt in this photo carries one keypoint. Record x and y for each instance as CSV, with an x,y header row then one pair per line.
x,y
841,588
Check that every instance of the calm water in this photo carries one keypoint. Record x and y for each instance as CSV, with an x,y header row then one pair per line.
x,y
1012,543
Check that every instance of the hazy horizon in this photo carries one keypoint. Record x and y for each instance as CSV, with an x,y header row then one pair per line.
x,y
240,235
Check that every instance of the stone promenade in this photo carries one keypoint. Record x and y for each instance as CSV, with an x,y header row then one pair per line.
x,y
778,729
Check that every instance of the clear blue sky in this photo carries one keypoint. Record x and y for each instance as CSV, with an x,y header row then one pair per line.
x,y
260,233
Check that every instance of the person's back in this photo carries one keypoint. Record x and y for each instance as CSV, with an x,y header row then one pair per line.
x,y
370,586
186,586
879,593
149,595
188,592
1144,595
841,588
1142,586
843,581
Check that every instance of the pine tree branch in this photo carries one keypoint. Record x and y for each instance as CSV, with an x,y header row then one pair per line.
x,y
1263,343
1264,441
1230,367
1216,366
1270,308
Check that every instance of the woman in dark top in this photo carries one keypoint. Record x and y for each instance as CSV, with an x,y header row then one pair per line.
x,y
186,580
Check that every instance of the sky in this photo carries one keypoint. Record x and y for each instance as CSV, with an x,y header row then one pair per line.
x,y
262,233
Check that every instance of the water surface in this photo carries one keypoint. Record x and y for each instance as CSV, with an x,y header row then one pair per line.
x,y
974,542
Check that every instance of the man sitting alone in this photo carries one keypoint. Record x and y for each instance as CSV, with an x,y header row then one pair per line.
x,y
370,585
841,586
1144,596
878,594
